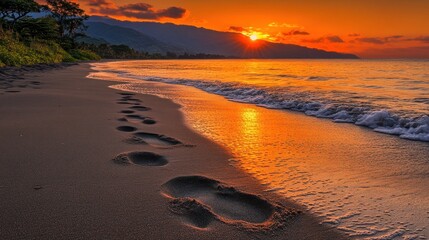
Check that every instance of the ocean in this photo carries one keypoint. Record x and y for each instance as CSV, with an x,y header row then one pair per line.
x,y
389,96
347,139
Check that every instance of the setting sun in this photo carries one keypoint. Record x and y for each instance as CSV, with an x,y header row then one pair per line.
x,y
253,37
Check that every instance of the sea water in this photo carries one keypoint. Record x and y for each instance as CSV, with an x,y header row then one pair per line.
x,y
386,95
367,184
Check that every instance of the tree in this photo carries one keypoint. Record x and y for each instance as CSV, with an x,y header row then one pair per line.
x,y
45,28
15,10
69,16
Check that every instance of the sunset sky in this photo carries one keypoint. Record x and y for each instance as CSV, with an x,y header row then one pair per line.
x,y
369,28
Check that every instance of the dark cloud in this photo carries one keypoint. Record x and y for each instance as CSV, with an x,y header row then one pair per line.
x,y
354,35
380,40
371,40
172,12
97,3
314,40
410,52
134,10
236,29
295,32
393,37
424,39
334,39
331,39
142,7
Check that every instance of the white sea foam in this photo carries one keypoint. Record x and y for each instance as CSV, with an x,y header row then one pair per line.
x,y
383,121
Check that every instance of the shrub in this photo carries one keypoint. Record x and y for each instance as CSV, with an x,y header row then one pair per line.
x,y
15,53
83,54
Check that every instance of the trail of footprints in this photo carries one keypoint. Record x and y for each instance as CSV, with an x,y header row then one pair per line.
x,y
132,115
15,79
198,200
10,83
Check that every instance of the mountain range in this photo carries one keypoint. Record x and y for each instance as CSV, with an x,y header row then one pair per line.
x,y
154,37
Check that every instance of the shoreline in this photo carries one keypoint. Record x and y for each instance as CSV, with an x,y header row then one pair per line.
x,y
410,126
351,177
74,188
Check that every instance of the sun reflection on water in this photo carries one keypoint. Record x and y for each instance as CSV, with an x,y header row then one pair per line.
x,y
250,128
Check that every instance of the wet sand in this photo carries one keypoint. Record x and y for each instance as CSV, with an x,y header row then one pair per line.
x,y
80,160
365,184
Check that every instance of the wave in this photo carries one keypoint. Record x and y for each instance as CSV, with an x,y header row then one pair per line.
x,y
380,120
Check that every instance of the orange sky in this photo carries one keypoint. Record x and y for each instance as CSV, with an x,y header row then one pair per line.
x,y
369,28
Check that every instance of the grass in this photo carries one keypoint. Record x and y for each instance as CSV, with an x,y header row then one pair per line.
x,y
83,54
17,53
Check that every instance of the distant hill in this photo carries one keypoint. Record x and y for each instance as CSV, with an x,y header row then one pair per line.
x,y
121,35
197,40
91,40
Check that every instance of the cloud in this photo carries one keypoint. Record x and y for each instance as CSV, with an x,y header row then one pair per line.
x,y
295,32
371,40
282,25
354,35
134,10
97,3
236,29
407,52
142,7
392,39
424,39
172,12
380,40
334,39
314,40
331,39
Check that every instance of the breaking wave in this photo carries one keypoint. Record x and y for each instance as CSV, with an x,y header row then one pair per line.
x,y
380,120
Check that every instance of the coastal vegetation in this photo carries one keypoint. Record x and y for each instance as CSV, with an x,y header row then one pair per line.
x,y
26,40
57,36
125,52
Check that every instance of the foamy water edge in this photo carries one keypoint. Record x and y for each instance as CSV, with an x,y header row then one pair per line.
x,y
380,120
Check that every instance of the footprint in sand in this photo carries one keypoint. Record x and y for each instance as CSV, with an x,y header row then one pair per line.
x,y
124,103
140,158
200,200
129,99
133,100
126,129
149,121
135,118
127,111
156,140
140,108
126,94
35,83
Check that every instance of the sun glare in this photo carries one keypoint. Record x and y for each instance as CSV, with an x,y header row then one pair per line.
x,y
253,37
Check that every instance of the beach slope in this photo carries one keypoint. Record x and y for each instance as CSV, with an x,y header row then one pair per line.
x,y
80,160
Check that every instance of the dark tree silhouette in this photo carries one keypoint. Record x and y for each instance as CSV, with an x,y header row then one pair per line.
x,y
45,28
14,10
69,16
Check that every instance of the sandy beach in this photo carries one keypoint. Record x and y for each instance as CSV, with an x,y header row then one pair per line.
x,y
80,160
365,184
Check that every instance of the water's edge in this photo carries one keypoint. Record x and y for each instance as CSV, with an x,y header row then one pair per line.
x,y
380,120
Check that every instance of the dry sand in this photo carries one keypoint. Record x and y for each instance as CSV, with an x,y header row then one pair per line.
x,y
80,160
